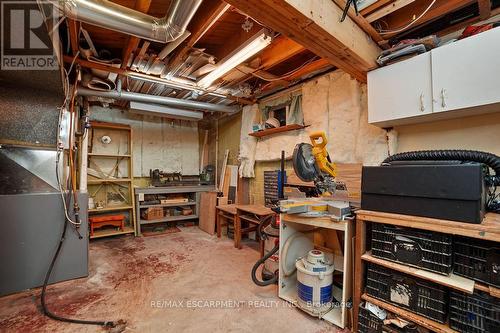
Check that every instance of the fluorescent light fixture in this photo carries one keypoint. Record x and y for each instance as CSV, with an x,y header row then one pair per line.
x,y
164,111
248,49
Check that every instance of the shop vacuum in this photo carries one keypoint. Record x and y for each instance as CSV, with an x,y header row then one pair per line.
x,y
444,184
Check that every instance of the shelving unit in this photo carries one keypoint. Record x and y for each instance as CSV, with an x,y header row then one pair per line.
x,y
192,192
110,175
341,255
281,129
489,229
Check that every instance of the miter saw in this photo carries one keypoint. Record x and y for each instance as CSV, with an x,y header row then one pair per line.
x,y
312,163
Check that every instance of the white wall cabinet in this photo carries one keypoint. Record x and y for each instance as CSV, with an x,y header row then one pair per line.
x,y
402,92
455,80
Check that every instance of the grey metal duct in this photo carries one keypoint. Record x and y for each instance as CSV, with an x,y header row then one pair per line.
x,y
175,102
112,16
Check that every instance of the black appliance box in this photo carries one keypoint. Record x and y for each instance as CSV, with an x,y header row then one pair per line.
x,y
446,190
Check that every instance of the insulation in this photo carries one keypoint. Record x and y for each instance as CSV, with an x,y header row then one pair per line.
x,y
335,103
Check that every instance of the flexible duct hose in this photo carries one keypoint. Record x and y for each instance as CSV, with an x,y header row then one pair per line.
x,y
261,261
491,160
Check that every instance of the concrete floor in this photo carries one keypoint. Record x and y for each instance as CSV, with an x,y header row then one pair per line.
x,y
163,283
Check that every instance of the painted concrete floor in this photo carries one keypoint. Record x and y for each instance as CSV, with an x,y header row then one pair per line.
x,y
182,282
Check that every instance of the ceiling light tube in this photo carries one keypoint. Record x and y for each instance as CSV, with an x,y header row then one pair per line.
x,y
164,111
248,49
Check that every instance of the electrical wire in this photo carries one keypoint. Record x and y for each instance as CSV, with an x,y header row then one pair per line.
x,y
386,32
284,76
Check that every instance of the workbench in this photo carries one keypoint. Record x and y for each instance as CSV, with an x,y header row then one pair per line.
x,y
192,192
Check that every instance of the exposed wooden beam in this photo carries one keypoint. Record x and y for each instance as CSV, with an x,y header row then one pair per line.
x,y
133,42
137,76
74,29
390,8
280,50
239,37
315,24
484,9
406,15
361,22
208,14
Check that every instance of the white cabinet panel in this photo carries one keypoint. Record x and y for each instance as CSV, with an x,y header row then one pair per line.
x,y
466,73
401,90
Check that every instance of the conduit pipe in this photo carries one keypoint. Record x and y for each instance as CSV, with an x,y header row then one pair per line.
x,y
174,102
109,15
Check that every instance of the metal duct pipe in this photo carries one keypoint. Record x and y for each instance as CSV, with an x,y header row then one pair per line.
x,y
109,15
175,102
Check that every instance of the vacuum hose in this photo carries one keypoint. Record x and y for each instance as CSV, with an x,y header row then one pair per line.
x,y
491,160
261,261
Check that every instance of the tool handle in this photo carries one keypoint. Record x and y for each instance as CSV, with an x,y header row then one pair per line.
x,y
318,139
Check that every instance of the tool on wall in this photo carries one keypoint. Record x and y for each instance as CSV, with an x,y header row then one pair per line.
x,y
347,7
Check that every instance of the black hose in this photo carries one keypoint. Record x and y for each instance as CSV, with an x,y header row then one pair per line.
x,y
261,261
491,160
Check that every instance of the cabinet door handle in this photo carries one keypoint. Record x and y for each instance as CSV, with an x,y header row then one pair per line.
x,y
443,98
422,106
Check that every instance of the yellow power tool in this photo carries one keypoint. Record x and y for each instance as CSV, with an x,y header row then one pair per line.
x,y
311,163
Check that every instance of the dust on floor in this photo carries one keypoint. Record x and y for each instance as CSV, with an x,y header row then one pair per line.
x,y
182,282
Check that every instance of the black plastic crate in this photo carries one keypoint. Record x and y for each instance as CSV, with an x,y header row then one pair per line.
x,y
414,294
424,249
369,323
476,313
477,259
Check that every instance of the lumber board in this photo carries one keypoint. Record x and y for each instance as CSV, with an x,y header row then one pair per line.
x,y
207,211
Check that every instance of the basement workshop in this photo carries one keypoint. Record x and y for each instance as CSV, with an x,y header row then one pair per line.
x,y
250,166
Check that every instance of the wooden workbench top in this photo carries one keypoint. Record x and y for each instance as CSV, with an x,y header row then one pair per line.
x,y
489,229
231,209
259,210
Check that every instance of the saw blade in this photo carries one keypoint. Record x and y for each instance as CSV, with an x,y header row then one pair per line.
x,y
304,163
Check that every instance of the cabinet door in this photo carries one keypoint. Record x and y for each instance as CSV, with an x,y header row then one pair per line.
x,y
467,73
401,90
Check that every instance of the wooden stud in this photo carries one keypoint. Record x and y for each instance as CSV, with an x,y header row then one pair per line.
x,y
484,9
74,31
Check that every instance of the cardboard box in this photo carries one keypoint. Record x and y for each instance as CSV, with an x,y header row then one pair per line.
x,y
152,213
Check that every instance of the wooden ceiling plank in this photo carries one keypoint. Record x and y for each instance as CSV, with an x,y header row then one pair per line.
x,y
280,50
390,8
200,24
133,42
361,22
315,25
484,9
440,8
374,6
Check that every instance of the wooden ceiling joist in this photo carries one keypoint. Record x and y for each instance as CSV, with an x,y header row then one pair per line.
x,y
390,8
133,42
74,29
280,50
484,9
315,24
200,24
361,22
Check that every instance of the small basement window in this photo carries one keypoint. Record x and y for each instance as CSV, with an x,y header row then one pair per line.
x,y
287,110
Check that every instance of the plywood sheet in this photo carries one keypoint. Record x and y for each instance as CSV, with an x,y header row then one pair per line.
x,y
208,202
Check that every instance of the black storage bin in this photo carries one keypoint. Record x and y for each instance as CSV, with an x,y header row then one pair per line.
x,y
448,190
414,294
476,313
424,249
477,259
369,323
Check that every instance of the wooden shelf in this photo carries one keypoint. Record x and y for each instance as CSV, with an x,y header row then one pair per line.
x,y
189,203
100,181
111,232
281,129
169,219
489,229
108,155
453,281
413,317
109,209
